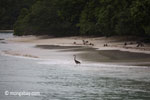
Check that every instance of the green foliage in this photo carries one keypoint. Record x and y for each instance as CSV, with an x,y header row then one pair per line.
x,y
85,17
21,22
10,10
50,17
88,20
140,12
116,17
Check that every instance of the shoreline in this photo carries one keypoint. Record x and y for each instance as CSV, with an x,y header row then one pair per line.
x,y
63,48
113,44
6,31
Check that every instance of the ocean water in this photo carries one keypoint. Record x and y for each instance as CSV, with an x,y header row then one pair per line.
x,y
55,79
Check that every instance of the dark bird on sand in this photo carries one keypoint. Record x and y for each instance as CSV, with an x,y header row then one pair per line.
x,y
91,44
76,61
86,42
125,44
74,43
140,44
83,42
105,45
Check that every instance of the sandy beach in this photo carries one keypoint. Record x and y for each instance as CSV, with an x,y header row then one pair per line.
x,y
114,43
93,51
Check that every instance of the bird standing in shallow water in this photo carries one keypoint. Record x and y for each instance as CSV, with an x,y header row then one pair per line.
x,y
76,61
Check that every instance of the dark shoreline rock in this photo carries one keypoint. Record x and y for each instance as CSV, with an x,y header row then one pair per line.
x,y
2,39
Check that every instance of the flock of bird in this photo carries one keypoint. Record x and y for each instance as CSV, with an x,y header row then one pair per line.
x,y
139,44
85,43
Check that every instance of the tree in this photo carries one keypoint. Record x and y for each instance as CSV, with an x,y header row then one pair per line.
x,y
10,10
140,12
86,17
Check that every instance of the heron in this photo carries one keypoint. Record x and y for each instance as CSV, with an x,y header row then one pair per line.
x,y
76,61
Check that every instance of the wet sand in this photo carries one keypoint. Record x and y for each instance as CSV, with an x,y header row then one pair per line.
x,y
104,56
